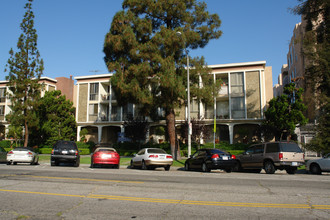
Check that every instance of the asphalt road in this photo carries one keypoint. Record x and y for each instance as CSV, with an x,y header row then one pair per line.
x,y
64,192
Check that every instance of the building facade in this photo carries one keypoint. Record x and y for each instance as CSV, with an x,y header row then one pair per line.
x,y
239,107
49,84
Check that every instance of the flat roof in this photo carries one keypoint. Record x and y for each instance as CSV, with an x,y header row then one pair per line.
x,y
237,64
93,76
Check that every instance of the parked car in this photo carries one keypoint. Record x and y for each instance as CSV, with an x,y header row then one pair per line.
x,y
210,159
3,155
271,156
317,166
22,155
65,151
105,156
150,158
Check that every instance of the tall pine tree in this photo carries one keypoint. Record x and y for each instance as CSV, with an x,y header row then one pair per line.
x,y
148,56
25,69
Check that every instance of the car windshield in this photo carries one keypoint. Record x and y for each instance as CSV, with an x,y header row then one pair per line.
x,y
290,147
156,151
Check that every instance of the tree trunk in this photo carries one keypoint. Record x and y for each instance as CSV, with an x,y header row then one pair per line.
x,y
170,122
26,134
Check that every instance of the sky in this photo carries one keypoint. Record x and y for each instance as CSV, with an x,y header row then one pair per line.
x,y
71,33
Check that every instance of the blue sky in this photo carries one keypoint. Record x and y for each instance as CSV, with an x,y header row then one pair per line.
x,y
71,33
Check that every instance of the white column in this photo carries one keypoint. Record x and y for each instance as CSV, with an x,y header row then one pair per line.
x,y
231,133
78,132
99,131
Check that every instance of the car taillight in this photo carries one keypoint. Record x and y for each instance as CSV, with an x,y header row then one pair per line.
x,y
214,156
53,151
153,156
233,157
10,152
169,157
30,153
76,152
280,156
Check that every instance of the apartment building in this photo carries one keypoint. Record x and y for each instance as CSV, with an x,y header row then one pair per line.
x,y
239,106
294,71
66,86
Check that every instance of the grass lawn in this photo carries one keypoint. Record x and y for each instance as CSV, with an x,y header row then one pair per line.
x,y
124,161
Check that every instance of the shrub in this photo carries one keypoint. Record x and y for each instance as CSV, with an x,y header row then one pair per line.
x,y
5,144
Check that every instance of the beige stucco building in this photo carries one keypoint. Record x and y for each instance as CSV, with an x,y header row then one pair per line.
x,y
239,106
49,84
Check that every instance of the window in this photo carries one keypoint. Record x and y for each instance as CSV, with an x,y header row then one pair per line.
x,y
2,110
93,109
237,107
93,91
236,82
3,95
258,149
194,105
272,148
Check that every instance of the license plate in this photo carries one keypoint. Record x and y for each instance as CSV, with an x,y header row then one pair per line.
x,y
225,158
161,156
294,163
64,152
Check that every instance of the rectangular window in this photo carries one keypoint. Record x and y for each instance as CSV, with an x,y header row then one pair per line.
x,y
237,107
93,91
236,82
2,94
2,110
93,109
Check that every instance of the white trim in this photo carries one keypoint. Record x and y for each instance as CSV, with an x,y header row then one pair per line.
x,y
260,93
244,89
237,64
77,109
47,78
229,95
93,76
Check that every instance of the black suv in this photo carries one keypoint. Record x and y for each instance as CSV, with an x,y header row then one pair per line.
x,y
65,151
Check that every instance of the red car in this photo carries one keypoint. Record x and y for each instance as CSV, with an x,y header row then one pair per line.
x,y
105,156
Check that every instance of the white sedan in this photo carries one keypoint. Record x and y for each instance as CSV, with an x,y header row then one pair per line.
x,y
22,155
150,158
317,166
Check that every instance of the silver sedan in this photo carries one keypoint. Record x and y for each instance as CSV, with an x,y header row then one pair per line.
x,y
150,158
22,155
318,166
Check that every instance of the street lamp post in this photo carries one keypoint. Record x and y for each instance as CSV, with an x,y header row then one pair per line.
x,y
188,100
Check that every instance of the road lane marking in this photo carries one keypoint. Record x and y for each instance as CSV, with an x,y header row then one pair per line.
x,y
70,178
182,202
85,179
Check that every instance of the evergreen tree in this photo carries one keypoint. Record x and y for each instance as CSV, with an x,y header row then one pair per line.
x,y
285,113
148,56
25,68
57,119
316,50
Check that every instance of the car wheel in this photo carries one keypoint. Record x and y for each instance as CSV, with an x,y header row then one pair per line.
x,y
269,167
132,166
92,164
186,167
144,166
8,163
204,168
167,168
315,169
15,163
237,167
117,166
291,170
76,164
228,170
